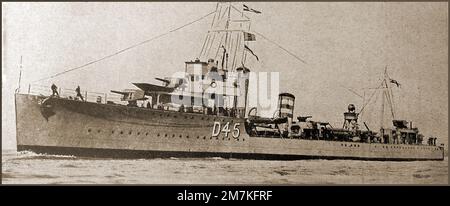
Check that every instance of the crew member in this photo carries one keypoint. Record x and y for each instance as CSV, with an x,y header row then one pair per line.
x,y
181,109
54,90
78,91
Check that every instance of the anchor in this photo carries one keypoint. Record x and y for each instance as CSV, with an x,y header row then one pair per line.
x,y
47,108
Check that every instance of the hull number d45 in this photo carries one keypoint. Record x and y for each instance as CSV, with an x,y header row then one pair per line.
x,y
226,129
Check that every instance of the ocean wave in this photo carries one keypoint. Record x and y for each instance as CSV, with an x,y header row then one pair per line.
x,y
23,155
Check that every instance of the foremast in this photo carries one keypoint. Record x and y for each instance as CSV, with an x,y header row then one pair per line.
x,y
228,37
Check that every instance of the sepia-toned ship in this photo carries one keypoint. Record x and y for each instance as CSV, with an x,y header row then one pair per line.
x,y
205,113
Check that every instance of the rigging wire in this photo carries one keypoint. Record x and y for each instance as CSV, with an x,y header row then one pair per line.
x,y
218,48
373,94
236,50
208,50
126,49
215,14
273,42
390,101
240,11
390,104
208,36
391,97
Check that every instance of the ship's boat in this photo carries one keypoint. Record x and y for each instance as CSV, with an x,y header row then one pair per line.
x,y
202,113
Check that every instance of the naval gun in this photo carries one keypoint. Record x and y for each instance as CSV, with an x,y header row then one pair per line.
x,y
402,133
324,131
131,96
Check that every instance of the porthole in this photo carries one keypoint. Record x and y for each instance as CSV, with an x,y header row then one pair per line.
x,y
129,132
198,137
204,137
112,132
173,135
121,132
89,130
181,136
210,137
138,133
165,135
187,136
98,131
243,139
146,134
156,135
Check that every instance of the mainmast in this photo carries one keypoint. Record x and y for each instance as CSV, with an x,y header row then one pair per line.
x,y
387,96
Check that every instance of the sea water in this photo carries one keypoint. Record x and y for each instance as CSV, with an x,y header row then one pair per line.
x,y
32,168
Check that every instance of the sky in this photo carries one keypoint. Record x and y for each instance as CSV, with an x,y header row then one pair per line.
x,y
346,46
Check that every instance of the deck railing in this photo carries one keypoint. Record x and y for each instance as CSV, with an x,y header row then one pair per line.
x,y
88,96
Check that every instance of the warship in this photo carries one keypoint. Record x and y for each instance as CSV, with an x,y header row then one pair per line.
x,y
204,112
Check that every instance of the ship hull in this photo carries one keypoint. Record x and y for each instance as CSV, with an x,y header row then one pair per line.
x,y
85,129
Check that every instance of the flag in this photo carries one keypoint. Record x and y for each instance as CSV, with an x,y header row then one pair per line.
x,y
249,37
246,47
395,82
246,8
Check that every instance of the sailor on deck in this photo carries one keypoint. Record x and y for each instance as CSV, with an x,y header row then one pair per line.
x,y
78,91
54,90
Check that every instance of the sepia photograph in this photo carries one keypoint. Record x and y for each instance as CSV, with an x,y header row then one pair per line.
x,y
220,93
